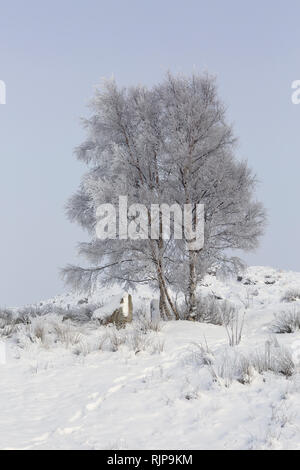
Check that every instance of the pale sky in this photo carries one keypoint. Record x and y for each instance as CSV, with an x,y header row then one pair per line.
x,y
53,53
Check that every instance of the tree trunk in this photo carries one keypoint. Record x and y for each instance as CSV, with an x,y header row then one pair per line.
x,y
163,308
192,284
165,302
170,302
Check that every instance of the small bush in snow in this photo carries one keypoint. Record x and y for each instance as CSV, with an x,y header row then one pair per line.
x,y
67,334
234,329
82,348
6,316
291,295
157,346
39,331
234,366
286,322
81,313
115,338
7,323
145,323
137,340
248,299
26,314
211,310
31,333
274,358
133,338
201,355
8,330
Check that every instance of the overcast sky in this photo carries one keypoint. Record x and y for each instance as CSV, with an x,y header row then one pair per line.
x,y
53,53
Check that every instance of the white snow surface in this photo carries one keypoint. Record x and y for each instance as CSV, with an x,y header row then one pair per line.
x,y
72,390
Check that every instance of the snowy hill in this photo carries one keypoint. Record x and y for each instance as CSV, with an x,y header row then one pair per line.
x,y
79,385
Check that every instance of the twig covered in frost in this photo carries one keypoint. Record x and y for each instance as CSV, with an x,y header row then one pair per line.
x,y
234,329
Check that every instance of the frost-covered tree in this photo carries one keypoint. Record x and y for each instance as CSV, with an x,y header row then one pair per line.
x,y
124,151
200,148
170,144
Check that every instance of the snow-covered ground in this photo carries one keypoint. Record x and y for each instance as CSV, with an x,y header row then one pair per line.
x,y
68,385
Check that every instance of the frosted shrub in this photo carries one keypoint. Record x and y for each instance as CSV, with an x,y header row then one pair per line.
x,y
235,367
8,330
234,328
114,338
133,338
211,310
157,346
201,355
36,332
82,348
291,295
67,334
286,322
7,323
26,314
80,313
39,331
228,312
274,358
138,341
207,310
6,316
146,324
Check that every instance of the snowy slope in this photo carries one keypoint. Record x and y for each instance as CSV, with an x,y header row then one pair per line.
x,y
77,388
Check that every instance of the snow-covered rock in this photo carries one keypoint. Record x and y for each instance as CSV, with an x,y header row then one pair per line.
x,y
118,310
